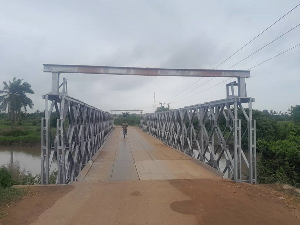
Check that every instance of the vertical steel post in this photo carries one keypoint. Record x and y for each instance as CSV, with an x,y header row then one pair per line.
x,y
55,83
242,87
212,123
250,147
254,151
61,140
43,151
45,154
201,123
239,148
235,169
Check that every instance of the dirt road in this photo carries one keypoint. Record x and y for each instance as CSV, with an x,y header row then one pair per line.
x,y
139,180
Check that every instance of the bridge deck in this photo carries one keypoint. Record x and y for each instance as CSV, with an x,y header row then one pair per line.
x,y
134,181
142,157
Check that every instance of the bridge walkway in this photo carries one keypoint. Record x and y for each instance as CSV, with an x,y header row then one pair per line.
x,y
142,157
139,180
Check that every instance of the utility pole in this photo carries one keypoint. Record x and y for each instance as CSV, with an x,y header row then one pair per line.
x,y
154,104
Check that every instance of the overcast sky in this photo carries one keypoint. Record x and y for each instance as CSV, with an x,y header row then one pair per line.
x,y
154,33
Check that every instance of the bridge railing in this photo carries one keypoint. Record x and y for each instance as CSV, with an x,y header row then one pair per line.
x,y
71,135
221,134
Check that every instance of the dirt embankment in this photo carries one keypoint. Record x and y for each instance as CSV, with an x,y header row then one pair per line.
x,y
209,201
28,209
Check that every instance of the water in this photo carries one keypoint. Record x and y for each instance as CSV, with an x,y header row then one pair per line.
x,y
28,159
24,159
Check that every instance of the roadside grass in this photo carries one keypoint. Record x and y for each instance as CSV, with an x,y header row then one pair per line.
x,y
11,194
8,193
8,196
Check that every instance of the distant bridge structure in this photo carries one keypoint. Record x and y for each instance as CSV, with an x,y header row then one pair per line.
x,y
216,133
127,110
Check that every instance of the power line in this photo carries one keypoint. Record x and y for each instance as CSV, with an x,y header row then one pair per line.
x,y
185,89
258,35
194,89
248,69
275,56
205,89
264,46
175,97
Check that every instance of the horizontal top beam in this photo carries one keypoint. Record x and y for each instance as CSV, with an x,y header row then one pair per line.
x,y
54,68
133,110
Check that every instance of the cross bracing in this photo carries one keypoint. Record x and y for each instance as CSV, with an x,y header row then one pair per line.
x,y
78,132
217,133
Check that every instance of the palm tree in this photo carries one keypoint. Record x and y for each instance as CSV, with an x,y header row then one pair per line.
x,y
13,98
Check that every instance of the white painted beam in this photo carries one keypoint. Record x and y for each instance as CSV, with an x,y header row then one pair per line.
x,y
144,71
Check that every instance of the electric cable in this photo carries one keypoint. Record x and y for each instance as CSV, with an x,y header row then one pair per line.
x,y
193,89
275,56
258,35
240,50
248,69
205,89
264,46
184,89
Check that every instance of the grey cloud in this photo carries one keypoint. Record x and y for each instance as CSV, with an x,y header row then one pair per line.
x,y
175,34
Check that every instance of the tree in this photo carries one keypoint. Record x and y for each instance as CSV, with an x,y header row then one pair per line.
x,y
295,113
13,98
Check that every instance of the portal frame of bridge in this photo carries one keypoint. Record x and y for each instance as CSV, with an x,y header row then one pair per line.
x,y
174,127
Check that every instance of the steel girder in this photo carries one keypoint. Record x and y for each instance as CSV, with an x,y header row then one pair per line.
x,y
80,131
217,133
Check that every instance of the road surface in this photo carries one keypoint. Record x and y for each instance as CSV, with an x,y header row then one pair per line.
x,y
139,180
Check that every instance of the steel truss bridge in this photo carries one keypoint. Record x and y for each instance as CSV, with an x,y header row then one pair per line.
x,y
128,110
217,133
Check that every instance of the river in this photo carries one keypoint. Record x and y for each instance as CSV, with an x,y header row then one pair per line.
x,y
23,159
28,159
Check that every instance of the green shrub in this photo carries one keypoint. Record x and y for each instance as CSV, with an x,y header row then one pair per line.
x,y
29,179
280,161
131,119
5,178
15,132
31,140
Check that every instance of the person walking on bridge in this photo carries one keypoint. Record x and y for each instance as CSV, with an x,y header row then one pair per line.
x,y
124,126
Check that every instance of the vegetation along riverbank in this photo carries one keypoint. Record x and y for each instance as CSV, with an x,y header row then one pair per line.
x,y
25,132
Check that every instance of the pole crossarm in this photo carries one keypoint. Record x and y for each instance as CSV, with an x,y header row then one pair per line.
x,y
218,133
55,68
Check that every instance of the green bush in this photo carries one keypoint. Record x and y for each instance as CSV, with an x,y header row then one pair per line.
x,y
31,140
280,161
5,178
15,132
29,179
131,119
